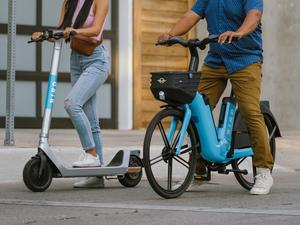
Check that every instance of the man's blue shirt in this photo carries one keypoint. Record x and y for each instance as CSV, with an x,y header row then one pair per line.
x,y
229,15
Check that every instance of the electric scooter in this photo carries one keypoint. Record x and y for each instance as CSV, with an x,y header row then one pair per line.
x,y
126,165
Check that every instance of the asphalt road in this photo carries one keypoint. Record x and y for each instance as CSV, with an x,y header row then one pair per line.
x,y
222,201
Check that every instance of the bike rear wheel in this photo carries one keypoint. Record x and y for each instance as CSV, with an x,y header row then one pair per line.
x,y
169,174
247,181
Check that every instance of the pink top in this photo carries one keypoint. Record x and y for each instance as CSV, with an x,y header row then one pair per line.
x,y
89,20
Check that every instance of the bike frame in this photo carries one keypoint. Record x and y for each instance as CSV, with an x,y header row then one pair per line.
x,y
215,142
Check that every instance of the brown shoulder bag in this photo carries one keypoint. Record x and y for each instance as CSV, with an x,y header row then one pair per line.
x,y
84,46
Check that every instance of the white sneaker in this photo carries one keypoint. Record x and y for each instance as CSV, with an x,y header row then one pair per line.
x,y
263,182
87,160
90,182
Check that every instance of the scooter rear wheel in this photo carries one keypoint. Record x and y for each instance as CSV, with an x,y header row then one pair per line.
x,y
31,177
132,179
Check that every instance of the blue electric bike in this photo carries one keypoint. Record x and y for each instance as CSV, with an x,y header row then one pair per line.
x,y
184,131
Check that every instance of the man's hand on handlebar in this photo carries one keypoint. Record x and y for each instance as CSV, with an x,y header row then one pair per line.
x,y
162,39
229,36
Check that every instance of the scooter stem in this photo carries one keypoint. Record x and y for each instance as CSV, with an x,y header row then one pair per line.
x,y
52,84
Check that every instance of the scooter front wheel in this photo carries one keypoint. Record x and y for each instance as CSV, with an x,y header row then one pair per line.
x,y
32,178
134,178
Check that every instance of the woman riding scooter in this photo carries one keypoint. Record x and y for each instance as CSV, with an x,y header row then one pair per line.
x,y
89,70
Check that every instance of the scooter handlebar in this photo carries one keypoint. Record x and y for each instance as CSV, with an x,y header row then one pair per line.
x,y
51,34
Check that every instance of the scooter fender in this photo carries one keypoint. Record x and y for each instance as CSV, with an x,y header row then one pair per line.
x,y
44,159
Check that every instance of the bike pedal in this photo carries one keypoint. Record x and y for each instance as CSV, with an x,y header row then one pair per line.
x,y
245,172
202,178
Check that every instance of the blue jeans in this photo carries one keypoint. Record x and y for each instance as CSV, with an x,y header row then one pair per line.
x,y
88,73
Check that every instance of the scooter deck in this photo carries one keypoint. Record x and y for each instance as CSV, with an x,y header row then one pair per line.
x,y
119,165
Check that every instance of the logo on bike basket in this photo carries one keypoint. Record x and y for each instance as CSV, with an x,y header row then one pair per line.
x,y
162,80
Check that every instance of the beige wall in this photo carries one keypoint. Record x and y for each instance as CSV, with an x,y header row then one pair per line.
x,y
152,18
282,61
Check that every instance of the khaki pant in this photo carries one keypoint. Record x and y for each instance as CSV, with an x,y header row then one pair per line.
x,y
246,85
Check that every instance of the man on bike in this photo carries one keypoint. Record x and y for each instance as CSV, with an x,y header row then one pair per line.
x,y
241,62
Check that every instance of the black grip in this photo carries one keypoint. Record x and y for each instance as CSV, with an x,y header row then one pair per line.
x,y
174,40
235,39
38,40
73,33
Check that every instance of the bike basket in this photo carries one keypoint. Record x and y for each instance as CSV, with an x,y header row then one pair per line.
x,y
175,87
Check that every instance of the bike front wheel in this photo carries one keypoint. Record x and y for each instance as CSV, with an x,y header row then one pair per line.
x,y
169,174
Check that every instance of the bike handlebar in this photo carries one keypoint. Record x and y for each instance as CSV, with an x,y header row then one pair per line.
x,y
51,34
192,43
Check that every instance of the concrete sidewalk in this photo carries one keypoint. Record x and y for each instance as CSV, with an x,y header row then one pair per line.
x,y
28,138
66,142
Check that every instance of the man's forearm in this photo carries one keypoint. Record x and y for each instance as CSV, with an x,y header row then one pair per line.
x,y
187,21
250,23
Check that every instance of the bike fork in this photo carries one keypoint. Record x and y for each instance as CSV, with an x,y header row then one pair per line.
x,y
185,124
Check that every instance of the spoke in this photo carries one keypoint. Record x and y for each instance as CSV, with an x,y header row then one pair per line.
x,y
176,139
239,163
254,172
185,149
155,158
188,167
151,164
170,165
182,161
272,133
163,134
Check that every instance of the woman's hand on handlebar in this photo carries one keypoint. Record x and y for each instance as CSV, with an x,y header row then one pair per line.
x,y
229,36
36,36
68,32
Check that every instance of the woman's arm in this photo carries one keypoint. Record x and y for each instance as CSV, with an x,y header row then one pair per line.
x,y
62,13
249,25
36,35
185,23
